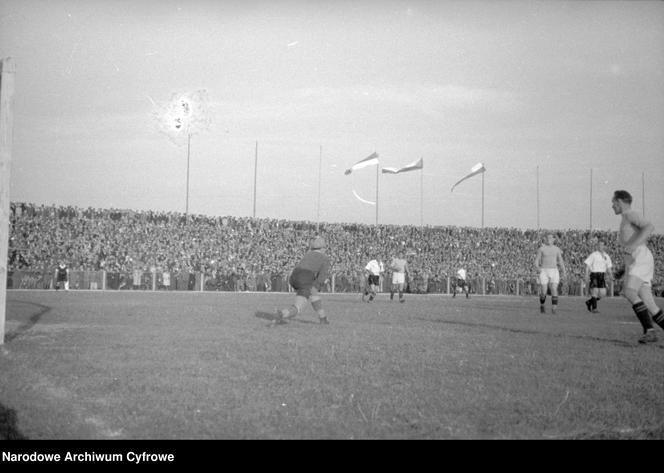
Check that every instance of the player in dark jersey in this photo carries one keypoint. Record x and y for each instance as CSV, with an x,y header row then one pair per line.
x,y
399,267
307,278
547,260
62,277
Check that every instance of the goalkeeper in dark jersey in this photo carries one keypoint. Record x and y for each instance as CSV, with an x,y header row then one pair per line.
x,y
307,278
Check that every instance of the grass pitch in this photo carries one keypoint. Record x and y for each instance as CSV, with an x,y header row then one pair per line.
x,y
141,365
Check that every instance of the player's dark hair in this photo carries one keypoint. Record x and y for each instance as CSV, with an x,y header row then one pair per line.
x,y
624,196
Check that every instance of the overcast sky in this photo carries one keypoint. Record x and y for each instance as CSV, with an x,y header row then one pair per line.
x,y
563,87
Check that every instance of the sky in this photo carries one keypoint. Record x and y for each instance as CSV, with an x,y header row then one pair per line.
x,y
563,103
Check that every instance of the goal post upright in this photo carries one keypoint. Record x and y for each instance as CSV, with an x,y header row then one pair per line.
x,y
7,72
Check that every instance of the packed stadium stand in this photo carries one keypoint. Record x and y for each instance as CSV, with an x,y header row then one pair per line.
x,y
125,249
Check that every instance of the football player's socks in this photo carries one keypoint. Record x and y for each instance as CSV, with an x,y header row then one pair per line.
x,y
593,302
554,300
659,318
542,299
642,314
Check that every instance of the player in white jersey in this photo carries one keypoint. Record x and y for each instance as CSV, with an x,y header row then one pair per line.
x,y
548,257
373,270
399,267
460,281
598,267
639,264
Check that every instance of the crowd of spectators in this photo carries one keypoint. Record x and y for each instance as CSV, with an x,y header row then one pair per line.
x,y
252,252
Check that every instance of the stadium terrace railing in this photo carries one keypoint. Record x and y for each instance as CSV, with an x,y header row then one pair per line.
x,y
339,283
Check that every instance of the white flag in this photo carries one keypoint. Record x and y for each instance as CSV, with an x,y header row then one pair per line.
x,y
368,161
419,164
477,169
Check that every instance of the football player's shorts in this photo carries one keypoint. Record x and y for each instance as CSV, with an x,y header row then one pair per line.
x,y
374,280
549,276
302,281
461,282
597,281
398,278
641,264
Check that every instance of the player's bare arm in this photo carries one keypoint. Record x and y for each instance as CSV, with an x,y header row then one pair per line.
x,y
561,262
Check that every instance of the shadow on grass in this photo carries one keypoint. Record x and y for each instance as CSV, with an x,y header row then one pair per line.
x,y
8,428
304,321
621,343
272,317
31,322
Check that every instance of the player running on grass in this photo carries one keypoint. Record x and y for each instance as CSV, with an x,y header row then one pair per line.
x,y
639,264
373,270
307,278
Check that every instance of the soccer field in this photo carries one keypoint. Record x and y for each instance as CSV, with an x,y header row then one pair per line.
x,y
142,365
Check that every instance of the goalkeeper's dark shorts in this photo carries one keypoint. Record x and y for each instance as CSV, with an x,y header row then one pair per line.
x,y
373,280
302,281
461,282
597,281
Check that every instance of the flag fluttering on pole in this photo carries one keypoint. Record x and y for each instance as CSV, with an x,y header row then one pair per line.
x,y
368,161
419,164
477,169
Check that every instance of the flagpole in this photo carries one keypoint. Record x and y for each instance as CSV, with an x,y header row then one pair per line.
x,y
255,175
320,164
482,200
643,192
7,79
421,198
377,175
186,205
538,200
591,199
